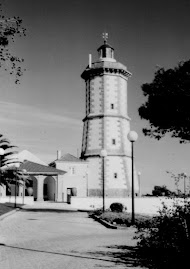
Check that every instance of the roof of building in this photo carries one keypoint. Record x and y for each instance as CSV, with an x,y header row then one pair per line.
x,y
68,158
105,45
27,155
36,168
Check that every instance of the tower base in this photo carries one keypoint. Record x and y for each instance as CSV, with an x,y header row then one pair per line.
x,y
117,177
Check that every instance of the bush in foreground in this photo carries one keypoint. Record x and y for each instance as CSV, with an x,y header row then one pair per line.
x,y
164,240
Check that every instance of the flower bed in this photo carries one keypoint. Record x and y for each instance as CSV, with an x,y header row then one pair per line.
x,y
121,219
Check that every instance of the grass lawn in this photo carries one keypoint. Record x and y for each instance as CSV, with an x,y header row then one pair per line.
x,y
120,219
5,208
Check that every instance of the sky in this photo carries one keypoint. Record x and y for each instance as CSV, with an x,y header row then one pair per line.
x,y
44,112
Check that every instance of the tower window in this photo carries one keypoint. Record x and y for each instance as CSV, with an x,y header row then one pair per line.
x,y
113,141
112,106
115,175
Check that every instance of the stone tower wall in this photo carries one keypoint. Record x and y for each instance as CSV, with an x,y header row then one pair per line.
x,y
106,126
106,109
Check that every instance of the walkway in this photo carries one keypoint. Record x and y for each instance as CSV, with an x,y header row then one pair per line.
x,y
61,240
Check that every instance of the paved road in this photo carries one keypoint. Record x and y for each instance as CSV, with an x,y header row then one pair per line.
x,y
62,240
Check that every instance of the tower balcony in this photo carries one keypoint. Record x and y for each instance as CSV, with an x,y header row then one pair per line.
x,y
102,67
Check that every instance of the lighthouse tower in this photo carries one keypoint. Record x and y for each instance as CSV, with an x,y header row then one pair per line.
x,y
106,126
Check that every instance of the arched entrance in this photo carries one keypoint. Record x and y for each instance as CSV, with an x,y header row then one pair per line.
x,y
31,184
45,180
49,189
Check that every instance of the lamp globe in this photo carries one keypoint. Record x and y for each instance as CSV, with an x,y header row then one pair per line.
x,y
132,136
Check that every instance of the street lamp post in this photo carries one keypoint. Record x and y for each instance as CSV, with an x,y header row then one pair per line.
x,y
184,178
2,152
139,181
15,168
132,136
23,195
103,155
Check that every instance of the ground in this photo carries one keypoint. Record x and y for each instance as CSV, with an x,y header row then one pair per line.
x,y
59,240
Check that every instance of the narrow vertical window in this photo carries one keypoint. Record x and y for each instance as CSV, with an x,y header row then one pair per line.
x,y
112,106
115,175
113,141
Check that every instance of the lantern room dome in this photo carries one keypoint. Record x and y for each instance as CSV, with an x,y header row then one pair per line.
x,y
106,52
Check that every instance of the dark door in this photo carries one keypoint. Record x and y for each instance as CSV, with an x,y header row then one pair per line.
x,y
68,195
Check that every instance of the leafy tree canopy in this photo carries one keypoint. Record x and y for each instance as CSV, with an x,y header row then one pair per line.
x,y
9,29
161,191
8,174
168,105
181,177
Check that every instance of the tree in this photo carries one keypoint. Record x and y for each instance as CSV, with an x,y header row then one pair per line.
x,y
8,174
186,183
9,29
164,240
167,107
161,191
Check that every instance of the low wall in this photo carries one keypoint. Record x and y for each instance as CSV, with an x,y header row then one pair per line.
x,y
143,205
28,200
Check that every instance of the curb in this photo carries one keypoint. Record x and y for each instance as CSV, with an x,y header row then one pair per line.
x,y
105,223
109,225
9,213
85,210
47,208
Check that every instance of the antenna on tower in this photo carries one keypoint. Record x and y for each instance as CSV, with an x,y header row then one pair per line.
x,y
105,37
90,61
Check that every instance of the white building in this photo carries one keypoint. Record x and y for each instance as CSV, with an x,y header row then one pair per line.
x,y
63,178
75,180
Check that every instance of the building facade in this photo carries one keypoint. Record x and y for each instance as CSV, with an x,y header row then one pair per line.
x,y
59,181
74,182
106,126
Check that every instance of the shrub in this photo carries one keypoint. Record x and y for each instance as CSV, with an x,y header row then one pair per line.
x,y
164,239
116,207
96,212
122,218
117,218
